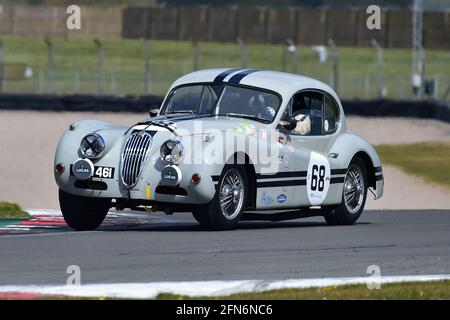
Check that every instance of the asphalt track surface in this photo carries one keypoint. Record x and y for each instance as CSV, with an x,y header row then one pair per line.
x,y
143,248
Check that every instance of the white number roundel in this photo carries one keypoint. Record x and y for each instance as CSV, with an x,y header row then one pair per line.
x,y
318,178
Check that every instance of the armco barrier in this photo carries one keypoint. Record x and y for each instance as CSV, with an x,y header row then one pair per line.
x,y
438,110
141,104
65,103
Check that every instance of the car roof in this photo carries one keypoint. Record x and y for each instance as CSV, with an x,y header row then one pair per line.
x,y
286,84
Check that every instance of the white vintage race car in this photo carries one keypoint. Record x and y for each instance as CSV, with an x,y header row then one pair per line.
x,y
226,144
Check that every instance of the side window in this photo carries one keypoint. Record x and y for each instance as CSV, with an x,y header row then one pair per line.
x,y
307,109
195,98
185,98
331,114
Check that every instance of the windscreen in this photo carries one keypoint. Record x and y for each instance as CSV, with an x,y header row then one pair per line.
x,y
223,100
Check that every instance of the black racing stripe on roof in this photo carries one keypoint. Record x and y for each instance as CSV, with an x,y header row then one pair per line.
x,y
221,76
239,76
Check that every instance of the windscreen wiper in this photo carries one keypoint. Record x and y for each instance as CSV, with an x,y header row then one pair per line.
x,y
180,111
247,116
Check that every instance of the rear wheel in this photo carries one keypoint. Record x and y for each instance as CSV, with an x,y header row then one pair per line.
x,y
225,209
354,194
83,213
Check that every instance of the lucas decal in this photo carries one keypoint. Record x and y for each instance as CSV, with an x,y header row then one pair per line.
x,y
318,178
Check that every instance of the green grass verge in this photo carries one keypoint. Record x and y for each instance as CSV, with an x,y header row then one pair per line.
x,y
124,62
411,290
430,160
12,211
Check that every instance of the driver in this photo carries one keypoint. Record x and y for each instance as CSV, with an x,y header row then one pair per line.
x,y
260,108
303,126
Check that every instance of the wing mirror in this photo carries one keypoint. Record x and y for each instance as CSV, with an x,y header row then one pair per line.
x,y
289,124
153,112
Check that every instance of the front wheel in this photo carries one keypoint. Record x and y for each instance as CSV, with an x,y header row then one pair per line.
x,y
225,209
354,195
83,213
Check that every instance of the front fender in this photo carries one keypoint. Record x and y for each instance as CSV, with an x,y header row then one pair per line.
x,y
68,151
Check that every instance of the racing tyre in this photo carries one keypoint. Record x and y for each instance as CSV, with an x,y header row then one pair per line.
x,y
83,213
354,196
225,209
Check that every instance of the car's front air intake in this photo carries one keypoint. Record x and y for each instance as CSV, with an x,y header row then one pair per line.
x,y
134,155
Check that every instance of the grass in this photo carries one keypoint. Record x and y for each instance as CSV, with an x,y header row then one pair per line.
x,y
12,211
430,160
407,290
124,64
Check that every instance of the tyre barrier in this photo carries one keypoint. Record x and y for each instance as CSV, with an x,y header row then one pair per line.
x,y
427,109
85,102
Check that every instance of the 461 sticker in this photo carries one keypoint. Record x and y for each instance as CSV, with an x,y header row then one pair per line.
x,y
99,172
318,178
104,172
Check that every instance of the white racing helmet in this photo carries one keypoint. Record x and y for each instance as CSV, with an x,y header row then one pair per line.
x,y
303,124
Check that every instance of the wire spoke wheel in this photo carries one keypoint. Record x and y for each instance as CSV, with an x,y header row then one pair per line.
x,y
354,186
231,194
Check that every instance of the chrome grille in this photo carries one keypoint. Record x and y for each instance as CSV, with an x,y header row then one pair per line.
x,y
134,155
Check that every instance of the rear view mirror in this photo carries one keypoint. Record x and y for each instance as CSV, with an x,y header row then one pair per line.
x,y
153,112
290,124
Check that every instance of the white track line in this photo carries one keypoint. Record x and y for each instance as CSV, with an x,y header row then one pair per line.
x,y
204,288
44,212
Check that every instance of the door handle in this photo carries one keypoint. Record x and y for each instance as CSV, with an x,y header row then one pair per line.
x,y
333,155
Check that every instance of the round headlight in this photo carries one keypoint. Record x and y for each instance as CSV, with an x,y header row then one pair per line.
x,y
172,151
92,146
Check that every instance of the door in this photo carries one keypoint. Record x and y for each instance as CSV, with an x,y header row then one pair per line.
x,y
276,190
316,115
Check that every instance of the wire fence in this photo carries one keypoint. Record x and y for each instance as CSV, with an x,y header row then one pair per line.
x,y
151,75
122,83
